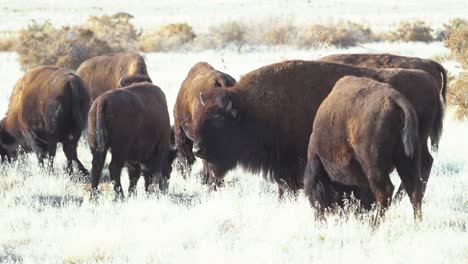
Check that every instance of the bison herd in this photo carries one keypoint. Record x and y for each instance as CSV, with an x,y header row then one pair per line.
x,y
335,127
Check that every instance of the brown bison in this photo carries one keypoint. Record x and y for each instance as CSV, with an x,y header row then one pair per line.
x,y
362,131
106,72
134,123
263,122
48,105
201,77
382,61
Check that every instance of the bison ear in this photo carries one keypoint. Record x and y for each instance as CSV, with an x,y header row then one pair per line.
x,y
220,82
201,99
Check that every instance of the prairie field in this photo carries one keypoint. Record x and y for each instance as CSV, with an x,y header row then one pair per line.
x,y
48,218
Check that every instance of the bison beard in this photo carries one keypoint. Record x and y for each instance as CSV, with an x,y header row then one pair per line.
x,y
263,122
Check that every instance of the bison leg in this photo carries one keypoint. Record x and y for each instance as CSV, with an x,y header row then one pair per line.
x,y
134,172
185,157
98,163
115,168
52,150
409,171
70,152
426,167
382,189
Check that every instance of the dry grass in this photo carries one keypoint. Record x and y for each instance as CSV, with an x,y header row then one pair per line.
x,y
273,32
168,37
409,31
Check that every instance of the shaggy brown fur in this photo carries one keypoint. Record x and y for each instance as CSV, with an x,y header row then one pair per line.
x,y
134,123
106,72
361,132
383,61
201,77
263,122
48,105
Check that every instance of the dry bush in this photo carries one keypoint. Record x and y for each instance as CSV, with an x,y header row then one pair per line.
x,y
43,44
410,31
458,95
341,34
168,37
117,30
229,33
457,42
451,26
8,42
273,32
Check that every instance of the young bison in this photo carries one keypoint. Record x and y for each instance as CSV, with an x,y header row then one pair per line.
x,y
107,72
48,105
201,78
362,131
261,122
383,61
134,123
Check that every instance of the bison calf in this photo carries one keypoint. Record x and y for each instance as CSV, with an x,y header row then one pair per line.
x,y
48,105
362,131
134,123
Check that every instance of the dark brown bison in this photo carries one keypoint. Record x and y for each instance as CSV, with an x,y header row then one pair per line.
x,y
383,61
134,123
201,77
362,131
106,72
48,105
263,122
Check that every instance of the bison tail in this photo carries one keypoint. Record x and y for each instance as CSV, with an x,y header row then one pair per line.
x,y
443,90
317,184
79,110
409,135
97,132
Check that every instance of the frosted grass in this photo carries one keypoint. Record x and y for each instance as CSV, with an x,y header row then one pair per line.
x,y
48,218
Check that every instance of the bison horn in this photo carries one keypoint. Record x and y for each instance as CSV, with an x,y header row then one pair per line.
x,y
201,99
120,82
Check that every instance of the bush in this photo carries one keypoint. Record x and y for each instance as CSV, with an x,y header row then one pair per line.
x,y
7,43
453,25
341,34
168,37
457,42
116,30
229,33
273,32
43,44
410,31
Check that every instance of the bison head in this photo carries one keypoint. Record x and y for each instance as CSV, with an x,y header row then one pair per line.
x,y
217,128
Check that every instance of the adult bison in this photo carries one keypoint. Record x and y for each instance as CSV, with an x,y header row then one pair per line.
x,y
106,72
263,122
134,123
363,130
201,78
48,105
383,61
